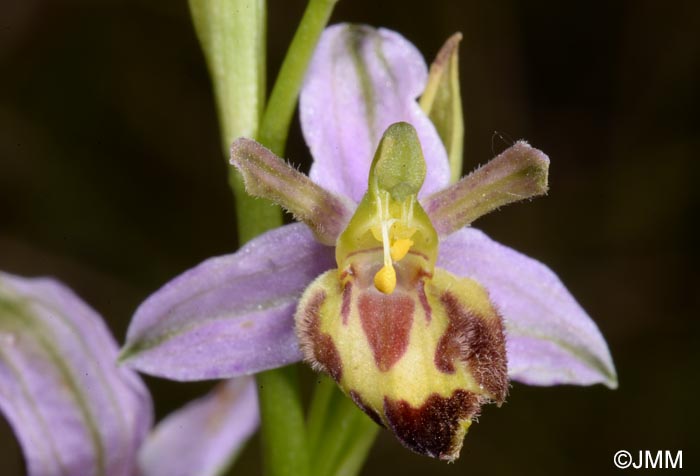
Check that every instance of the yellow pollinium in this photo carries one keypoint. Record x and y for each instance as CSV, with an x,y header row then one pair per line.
x,y
385,279
400,248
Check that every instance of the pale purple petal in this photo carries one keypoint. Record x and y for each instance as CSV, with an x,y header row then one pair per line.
x,y
205,436
74,411
360,81
231,315
550,338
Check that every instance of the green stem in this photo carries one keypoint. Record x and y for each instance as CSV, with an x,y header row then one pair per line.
x,y
232,35
360,442
283,429
340,435
318,411
274,127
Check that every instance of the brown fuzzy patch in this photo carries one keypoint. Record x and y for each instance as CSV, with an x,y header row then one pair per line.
x,y
448,349
357,398
318,347
386,321
477,341
432,429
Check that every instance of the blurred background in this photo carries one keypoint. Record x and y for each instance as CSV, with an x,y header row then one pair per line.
x,y
111,179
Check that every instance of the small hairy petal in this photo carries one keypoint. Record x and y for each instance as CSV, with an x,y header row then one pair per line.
x,y
550,338
269,176
73,410
231,315
518,173
204,437
360,81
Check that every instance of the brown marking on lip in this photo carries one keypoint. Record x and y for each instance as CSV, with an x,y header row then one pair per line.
x,y
448,349
409,274
434,428
318,347
418,253
347,300
357,398
386,321
348,273
420,287
477,341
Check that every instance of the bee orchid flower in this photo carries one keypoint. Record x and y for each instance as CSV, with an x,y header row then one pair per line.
x,y
419,317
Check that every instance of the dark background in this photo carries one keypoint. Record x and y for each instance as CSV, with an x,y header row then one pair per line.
x,y
111,179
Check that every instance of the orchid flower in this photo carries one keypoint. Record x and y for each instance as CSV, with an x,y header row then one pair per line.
x,y
75,412
384,285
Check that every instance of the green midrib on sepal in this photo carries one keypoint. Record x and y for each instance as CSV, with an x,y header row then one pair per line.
x,y
581,354
144,343
368,99
27,323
